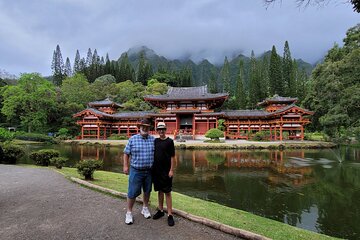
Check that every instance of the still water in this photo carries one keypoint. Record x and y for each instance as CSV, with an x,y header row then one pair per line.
x,y
318,190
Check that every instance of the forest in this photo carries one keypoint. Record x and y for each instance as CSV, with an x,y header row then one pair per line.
x,y
331,89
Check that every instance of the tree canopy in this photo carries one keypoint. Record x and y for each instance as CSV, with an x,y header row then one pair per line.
x,y
334,89
30,103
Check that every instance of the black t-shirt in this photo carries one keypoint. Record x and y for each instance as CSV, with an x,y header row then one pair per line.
x,y
164,150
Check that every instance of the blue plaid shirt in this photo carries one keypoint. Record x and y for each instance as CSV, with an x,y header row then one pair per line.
x,y
141,150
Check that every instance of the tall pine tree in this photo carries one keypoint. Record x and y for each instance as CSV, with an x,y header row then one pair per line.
x,y
68,71
77,63
89,57
275,76
225,77
287,72
94,68
254,84
240,93
212,82
264,77
107,64
57,67
126,71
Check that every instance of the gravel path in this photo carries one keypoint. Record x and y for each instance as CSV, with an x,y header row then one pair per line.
x,y
38,203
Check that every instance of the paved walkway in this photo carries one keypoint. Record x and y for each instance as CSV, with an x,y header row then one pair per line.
x,y
38,203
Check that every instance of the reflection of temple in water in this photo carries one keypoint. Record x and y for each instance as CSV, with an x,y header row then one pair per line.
x,y
100,153
90,152
281,169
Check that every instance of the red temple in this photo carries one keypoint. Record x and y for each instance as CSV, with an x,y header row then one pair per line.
x,y
190,111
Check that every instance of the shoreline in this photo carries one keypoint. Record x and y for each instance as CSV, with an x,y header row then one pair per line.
x,y
228,144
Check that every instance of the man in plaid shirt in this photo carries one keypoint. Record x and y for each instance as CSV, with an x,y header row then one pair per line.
x,y
140,151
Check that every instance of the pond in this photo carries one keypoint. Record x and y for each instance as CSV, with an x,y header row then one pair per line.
x,y
318,190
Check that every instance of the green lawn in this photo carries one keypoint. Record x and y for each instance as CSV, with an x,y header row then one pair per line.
x,y
230,216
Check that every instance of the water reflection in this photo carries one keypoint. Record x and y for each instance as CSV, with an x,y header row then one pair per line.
x,y
311,189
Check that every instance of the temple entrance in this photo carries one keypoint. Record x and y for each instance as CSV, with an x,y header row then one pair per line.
x,y
186,126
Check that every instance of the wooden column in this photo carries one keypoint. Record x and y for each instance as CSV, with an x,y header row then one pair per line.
x,y
275,137
98,132
259,125
302,133
238,128
193,127
281,132
177,124
82,132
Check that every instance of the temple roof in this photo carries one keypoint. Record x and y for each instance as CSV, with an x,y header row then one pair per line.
x,y
186,93
262,113
104,103
245,113
290,107
277,99
138,114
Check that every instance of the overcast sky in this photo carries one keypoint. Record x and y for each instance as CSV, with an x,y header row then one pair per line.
x,y
211,29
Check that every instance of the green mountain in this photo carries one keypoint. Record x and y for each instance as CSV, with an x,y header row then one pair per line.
x,y
200,71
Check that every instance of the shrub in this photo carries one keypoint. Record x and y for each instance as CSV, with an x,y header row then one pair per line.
x,y
6,135
214,133
118,137
316,136
221,124
262,135
12,153
63,131
58,162
87,168
63,134
37,137
43,157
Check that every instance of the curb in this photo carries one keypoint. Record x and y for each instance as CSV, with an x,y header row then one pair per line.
x,y
207,222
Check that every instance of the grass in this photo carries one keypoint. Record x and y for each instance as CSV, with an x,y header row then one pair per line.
x,y
316,136
214,141
230,216
24,142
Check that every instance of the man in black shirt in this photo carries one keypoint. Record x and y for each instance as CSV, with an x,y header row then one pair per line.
x,y
162,172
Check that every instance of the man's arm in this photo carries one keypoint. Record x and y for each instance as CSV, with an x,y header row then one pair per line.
x,y
126,164
172,152
171,172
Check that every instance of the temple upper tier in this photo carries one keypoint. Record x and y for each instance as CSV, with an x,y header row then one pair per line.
x,y
195,99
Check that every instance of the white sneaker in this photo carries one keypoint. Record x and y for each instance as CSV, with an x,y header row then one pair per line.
x,y
129,218
145,212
